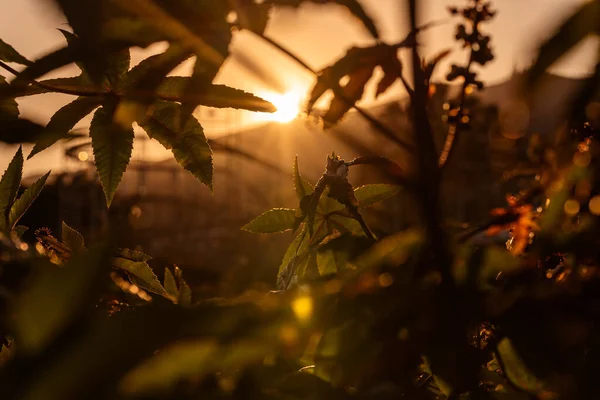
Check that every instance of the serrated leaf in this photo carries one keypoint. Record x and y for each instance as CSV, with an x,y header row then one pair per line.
x,y
41,66
141,274
112,145
131,31
9,54
9,186
23,203
272,221
515,369
72,239
117,66
295,255
63,121
342,223
133,255
9,109
302,186
190,147
217,96
368,195
79,84
170,285
185,294
582,23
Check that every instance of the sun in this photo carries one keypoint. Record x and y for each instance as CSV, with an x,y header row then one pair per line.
x,y
287,104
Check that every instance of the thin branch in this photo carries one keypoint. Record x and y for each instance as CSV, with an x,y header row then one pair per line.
x,y
52,88
337,90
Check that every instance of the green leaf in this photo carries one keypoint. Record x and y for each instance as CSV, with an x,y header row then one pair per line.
x,y
185,294
190,147
302,186
133,255
395,249
9,54
9,186
55,297
582,23
217,96
63,121
170,285
294,258
170,365
273,221
368,195
20,206
72,239
141,274
329,262
112,146
515,369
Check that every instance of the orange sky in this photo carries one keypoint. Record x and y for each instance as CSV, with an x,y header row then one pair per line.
x,y
320,35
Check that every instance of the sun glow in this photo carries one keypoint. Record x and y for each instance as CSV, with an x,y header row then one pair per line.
x,y
287,104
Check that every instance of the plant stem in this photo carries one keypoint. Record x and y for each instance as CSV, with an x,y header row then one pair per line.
x,y
52,88
429,185
384,130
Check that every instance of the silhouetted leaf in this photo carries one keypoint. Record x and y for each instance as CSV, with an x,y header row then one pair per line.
x,y
72,239
515,369
351,5
9,109
112,146
582,23
21,205
185,294
190,146
272,221
63,121
76,84
140,274
45,64
218,96
368,195
252,16
9,54
9,187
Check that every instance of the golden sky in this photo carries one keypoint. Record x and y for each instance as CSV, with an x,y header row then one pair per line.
x,y
319,35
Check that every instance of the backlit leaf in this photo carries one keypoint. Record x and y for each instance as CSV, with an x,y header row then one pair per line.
x,y
272,221
218,96
301,185
20,206
72,239
368,195
63,121
190,147
141,274
133,255
170,285
112,145
9,186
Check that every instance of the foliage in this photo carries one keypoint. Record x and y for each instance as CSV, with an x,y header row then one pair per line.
x,y
415,314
